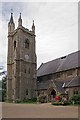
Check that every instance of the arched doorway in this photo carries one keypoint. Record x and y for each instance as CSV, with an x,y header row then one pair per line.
x,y
51,93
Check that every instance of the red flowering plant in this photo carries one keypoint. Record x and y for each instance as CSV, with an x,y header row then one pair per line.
x,y
58,99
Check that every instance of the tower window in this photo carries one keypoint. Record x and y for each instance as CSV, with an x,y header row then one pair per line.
x,y
27,44
24,70
14,45
27,92
29,71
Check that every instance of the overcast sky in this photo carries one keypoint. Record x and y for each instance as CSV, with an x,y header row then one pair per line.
x,y
56,25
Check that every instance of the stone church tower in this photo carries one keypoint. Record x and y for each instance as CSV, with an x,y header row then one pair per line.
x,y
21,62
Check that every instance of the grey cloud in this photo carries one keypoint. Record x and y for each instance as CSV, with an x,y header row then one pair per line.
x,y
56,26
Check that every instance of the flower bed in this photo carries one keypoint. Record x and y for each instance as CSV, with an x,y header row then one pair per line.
x,y
61,103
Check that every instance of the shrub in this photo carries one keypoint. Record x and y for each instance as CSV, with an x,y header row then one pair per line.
x,y
75,99
34,99
17,101
60,96
41,98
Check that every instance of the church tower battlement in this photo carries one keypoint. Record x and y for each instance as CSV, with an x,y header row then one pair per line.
x,y
21,62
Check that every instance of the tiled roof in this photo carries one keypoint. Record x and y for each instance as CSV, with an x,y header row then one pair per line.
x,y
60,85
64,63
75,82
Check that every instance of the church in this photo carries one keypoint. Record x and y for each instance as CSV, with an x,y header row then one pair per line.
x,y
61,75
24,81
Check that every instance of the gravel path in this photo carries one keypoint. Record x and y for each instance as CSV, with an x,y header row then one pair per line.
x,y
47,110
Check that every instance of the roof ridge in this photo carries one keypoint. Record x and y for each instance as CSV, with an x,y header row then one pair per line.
x,y
61,57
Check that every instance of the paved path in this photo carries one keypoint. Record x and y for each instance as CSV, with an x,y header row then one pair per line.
x,y
47,110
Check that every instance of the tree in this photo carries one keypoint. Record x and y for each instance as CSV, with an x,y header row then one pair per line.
x,y
4,89
3,83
